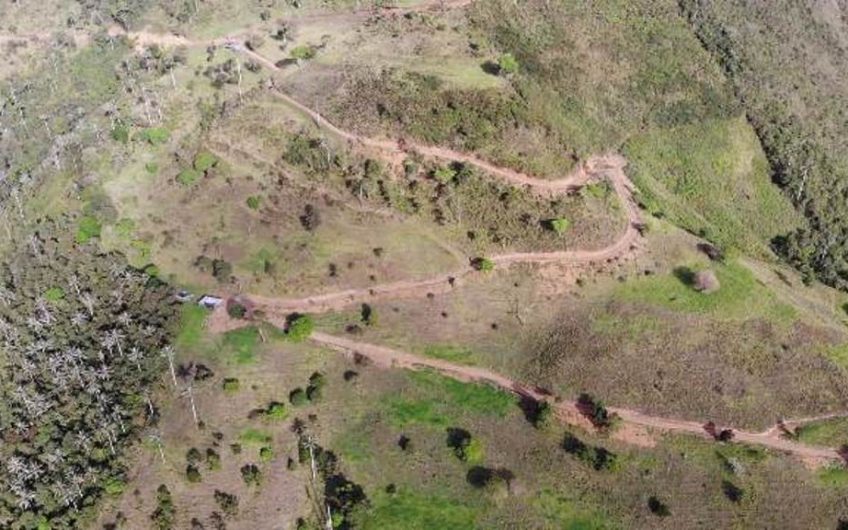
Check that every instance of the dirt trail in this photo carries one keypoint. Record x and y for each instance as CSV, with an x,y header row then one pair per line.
x,y
566,409
608,167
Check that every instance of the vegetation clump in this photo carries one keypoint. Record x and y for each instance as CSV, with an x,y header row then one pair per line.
x,y
165,513
464,446
598,458
231,385
299,327
251,474
276,411
483,264
559,225
507,64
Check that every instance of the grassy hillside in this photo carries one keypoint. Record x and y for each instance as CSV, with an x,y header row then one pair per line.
x,y
786,62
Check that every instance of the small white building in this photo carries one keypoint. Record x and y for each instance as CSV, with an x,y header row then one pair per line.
x,y
209,301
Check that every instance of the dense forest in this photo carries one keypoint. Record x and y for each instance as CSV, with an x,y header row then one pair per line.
x,y
786,63
82,338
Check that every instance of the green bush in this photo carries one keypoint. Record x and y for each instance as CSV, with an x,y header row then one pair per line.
x,y
213,459
228,503
236,310
299,327
597,457
253,202
155,135
315,388
54,294
507,64
163,517
222,270
113,487
204,161
251,475
297,397
465,447
193,456
266,454
120,133
543,415
193,474
444,174
276,412
124,227
303,53
188,176
483,264
231,385
559,225
89,227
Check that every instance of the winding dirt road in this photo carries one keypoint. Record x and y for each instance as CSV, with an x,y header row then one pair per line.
x,y
607,167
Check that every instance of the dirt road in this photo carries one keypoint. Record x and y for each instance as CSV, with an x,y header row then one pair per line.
x,y
565,409
608,167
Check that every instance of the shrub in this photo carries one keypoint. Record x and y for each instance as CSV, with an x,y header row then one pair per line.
x,y
507,64
297,397
314,393
303,53
543,415
213,459
266,454
598,458
444,174
188,176
253,202
163,516
465,447
250,474
124,227
120,133
54,294
368,315
276,412
114,487
658,507
299,327
193,474
483,264
559,225
236,310
311,219
597,412
204,161
221,270
193,456
316,386
235,448
231,385
155,135
89,227
228,502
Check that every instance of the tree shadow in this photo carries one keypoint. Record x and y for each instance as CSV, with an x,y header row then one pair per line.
x,y
491,68
685,275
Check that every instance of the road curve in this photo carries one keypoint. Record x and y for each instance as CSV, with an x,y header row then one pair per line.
x,y
609,167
